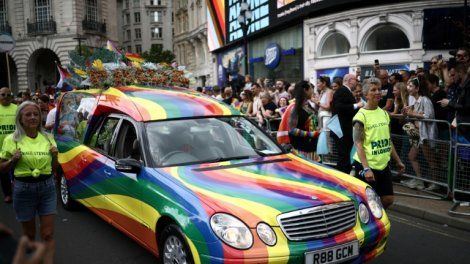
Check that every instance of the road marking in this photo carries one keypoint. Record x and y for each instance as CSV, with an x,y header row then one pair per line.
x,y
425,227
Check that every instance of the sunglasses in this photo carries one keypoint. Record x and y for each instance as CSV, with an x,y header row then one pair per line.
x,y
6,95
433,62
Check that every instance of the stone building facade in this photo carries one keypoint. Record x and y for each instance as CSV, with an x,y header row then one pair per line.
x,y
190,41
143,23
46,30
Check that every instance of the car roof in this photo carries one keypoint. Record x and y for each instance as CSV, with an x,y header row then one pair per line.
x,y
151,104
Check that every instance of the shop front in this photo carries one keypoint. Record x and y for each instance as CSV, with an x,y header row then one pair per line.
x,y
278,56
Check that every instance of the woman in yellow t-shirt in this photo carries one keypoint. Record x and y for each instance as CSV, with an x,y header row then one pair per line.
x,y
32,155
371,134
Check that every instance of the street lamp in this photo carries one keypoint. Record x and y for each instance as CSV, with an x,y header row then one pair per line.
x,y
79,38
244,20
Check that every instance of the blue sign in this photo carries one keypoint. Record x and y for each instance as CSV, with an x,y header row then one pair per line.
x,y
272,56
332,73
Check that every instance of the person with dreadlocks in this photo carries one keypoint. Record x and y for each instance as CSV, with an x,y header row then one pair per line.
x,y
299,123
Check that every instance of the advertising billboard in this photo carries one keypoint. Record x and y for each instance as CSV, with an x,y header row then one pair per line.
x,y
260,17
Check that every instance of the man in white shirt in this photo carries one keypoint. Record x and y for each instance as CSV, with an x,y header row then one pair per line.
x,y
50,119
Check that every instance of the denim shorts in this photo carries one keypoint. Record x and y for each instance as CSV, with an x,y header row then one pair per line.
x,y
31,199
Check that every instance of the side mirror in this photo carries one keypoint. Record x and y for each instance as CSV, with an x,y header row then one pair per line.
x,y
287,147
128,165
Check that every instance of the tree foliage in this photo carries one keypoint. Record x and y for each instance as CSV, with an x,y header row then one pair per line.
x,y
156,54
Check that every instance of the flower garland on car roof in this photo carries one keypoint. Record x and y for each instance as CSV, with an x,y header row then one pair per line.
x,y
102,68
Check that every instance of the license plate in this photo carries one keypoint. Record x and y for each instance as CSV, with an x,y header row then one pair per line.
x,y
336,254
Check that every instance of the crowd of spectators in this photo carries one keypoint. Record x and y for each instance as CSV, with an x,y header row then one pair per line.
x,y
441,92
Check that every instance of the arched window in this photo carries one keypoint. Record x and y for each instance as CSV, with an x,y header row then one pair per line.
x,y
335,44
91,10
386,38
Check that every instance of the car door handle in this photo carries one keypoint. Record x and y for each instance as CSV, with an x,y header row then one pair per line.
x,y
108,173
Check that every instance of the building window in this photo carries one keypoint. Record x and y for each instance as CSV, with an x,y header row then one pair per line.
x,y
42,10
157,46
157,16
91,7
137,17
157,32
3,12
155,2
128,34
138,49
386,38
127,3
128,19
129,48
335,44
136,3
138,33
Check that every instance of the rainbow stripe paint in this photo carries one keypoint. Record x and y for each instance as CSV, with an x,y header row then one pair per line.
x,y
254,190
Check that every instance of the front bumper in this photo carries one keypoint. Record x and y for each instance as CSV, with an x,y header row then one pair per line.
x,y
372,240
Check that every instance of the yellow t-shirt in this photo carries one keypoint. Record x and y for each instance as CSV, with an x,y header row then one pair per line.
x,y
35,158
7,121
377,142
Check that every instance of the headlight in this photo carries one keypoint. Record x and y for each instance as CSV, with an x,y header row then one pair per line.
x,y
232,231
266,234
363,213
374,202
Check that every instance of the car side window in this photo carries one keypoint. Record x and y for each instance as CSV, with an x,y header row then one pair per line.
x,y
102,138
127,144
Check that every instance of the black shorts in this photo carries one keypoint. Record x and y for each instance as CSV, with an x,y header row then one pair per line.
x,y
383,179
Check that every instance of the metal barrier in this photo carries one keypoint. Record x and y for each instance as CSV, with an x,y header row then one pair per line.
x,y
461,182
433,157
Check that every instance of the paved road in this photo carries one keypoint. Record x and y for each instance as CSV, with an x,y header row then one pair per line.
x,y
83,237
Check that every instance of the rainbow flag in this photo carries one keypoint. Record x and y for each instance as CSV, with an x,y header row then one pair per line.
x,y
134,57
110,46
64,74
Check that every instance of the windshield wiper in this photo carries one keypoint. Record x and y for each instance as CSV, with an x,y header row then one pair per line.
x,y
219,159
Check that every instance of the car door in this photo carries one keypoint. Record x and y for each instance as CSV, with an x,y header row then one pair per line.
x,y
123,195
93,160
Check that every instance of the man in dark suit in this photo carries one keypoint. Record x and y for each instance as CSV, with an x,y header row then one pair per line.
x,y
345,106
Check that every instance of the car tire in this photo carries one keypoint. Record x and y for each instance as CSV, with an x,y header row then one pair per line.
x,y
172,246
64,194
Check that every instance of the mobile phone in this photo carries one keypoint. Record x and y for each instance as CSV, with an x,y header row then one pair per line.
x,y
376,62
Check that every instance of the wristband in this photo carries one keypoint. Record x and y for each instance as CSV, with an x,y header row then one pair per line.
x,y
363,172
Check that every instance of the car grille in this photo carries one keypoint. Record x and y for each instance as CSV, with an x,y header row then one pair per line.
x,y
318,222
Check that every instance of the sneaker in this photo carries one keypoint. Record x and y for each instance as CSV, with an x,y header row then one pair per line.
x,y
415,184
433,187
419,185
407,182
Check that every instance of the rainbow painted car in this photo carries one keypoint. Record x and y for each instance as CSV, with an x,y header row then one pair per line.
x,y
193,181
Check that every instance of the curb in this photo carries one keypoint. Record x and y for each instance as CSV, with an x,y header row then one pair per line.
x,y
439,218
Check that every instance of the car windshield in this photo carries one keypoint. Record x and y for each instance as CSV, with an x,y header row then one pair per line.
x,y
203,140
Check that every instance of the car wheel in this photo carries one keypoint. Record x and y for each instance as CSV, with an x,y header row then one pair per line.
x,y
64,194
173,247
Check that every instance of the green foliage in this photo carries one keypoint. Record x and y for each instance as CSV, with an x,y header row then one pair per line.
x,y
158,55
104,55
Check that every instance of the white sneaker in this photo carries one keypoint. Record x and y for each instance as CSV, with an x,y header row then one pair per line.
x,y
419,185
432,187
406,182
415,184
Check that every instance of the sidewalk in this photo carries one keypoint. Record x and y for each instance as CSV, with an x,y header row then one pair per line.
x,y
432,210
